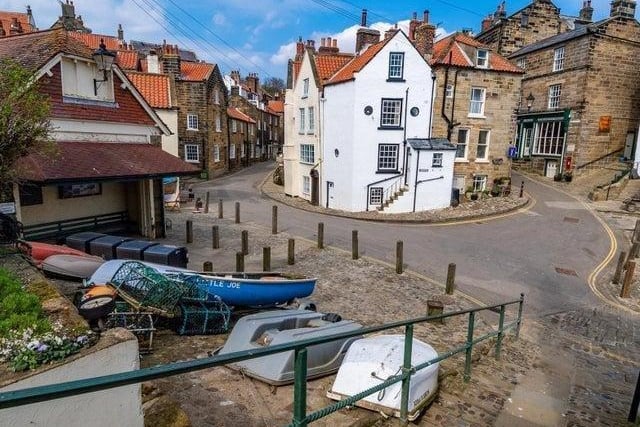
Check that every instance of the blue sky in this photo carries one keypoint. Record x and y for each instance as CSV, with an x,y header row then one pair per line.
x,y
259,35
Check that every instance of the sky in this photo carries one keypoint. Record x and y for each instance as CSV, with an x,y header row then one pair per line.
x,y
259,35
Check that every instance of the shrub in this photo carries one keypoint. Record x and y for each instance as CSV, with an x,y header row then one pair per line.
x,y
19,309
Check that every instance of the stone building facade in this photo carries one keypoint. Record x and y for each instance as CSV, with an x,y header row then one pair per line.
x,y
242,137
581,95
476,96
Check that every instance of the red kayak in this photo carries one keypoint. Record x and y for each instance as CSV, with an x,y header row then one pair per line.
x,y
40,251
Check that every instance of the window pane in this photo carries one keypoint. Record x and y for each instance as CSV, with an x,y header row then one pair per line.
x,y
437,160
477,101
391,109
375,196
483,143
388,157
396,61
461,148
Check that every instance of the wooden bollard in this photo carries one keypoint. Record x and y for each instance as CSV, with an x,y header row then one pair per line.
x,y
622,259
291,252
220,209
237,212
206,203
215,237
522,189
266,258
189,231
435,308
321,235
274,220
628,278
636,232
451,279
239,261
399,257
207,266
633,252
245,242
354,244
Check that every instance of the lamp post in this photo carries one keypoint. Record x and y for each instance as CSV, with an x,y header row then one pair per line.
x,y
530,98
104,62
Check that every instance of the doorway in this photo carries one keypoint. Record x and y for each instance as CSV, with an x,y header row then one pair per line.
x,y
629,145
551,168
315,183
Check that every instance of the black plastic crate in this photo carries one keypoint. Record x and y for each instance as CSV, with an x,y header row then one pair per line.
x,y
175,256
81,241
133,249
105,247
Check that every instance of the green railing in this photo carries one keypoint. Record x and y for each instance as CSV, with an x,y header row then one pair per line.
x,y
300,417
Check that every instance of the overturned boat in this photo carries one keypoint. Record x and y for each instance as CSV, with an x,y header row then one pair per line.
x,y
271,328
373,360
77,267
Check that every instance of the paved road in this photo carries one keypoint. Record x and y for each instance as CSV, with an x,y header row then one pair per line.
x,y
546,252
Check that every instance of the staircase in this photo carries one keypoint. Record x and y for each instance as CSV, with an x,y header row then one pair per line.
x,y
392,197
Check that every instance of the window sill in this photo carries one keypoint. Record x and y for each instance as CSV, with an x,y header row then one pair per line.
x,y
482,161
193,130
306,163
396,80
192,161
311,132
476,116
304,96
436,166
387,172
390,128
461,161
70,99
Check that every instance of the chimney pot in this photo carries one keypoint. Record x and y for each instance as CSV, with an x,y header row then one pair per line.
x,y
322,41
335,43
363,19
414,16
425,17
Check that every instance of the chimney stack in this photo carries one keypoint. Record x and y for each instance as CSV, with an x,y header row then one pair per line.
x,y
299,49
425,34
153,64
328,46
253,82
365,36
501,11
486,23
623,8
391,32
413,24
170,60
120,33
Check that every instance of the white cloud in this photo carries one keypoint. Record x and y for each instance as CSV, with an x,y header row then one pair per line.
x,y
285,52
219,19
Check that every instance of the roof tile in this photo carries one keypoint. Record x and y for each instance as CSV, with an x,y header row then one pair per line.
x,y
357,63
448,51
6,18
327,65
235,113
93,40
277,106
153,87
127,59
195,71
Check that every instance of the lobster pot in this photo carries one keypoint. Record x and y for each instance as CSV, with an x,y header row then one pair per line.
x,y
175,256
203,317
139,324
133,249
81,241
106,246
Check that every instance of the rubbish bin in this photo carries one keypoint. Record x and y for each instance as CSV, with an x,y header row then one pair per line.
x,y
175,256
81,241
105,247
133,249
455,197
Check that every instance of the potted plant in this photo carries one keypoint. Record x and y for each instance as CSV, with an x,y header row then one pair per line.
x,y
568,176
474,196
557,177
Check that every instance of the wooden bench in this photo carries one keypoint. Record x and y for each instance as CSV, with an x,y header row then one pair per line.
x,y
113,223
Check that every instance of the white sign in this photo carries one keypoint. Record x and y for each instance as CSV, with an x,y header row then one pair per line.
x,y
8,208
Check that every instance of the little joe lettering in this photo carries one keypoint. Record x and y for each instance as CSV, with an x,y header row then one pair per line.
x,y
225,284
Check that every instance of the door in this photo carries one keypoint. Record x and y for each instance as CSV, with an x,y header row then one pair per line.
x,y
315,182
526,139
552,168
629,145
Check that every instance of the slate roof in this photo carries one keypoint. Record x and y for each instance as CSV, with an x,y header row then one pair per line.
x,y
235,113
95,161
560,38
357,63
146,47
195,71
33,50
431,144
448,51
155,88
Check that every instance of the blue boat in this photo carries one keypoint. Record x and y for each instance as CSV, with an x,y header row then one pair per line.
x,y
252,289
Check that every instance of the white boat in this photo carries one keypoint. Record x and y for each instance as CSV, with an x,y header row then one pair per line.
x,y
271,328
71,266
372,360
105,273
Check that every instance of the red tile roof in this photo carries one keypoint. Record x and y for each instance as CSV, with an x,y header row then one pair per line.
x,y
277,106
357,63
93,40
448,51
234,113
327,65
153,87
86,161
195,71
127,59
6,18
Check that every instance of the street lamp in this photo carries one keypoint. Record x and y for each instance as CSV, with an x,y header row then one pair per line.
x,y
530,100
104,61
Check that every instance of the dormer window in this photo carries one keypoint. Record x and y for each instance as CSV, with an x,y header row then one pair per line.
x,y
396,65
482,58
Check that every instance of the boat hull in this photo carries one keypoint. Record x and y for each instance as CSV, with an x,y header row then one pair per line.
x,y
265,291
71,266
41,251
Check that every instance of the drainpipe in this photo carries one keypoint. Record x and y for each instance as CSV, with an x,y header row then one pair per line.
x,y
415,184
404,146
228,145
433,86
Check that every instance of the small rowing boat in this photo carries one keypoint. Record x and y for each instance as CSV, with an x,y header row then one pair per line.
x,y
77,267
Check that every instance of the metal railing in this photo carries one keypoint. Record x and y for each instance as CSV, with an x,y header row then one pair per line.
x,y
390,192
300,417
379,182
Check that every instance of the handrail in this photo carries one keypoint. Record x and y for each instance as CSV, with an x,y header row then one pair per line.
x,y
598,159
379,182
71,388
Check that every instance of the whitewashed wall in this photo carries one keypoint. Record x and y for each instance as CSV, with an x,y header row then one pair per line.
x,y
170,142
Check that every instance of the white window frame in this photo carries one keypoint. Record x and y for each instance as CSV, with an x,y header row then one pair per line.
x,y
232,151
391,113
396,66
476,104
522,62
216,153
305,88
306,184
218,123
375,195
479,183
242,150
311,120
192,122
436,161
307,154
189,155
388,157
448,91
558,59
250,129
234,126
482,58
548,138
301,117
553,97
486,132
466,144
216,96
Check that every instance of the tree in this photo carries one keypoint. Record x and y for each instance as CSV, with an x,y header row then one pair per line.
x,y
273,85
24,118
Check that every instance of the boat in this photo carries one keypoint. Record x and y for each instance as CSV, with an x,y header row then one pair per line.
x,y
253,289
108,269
39,251
271,328
71,266
372,360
